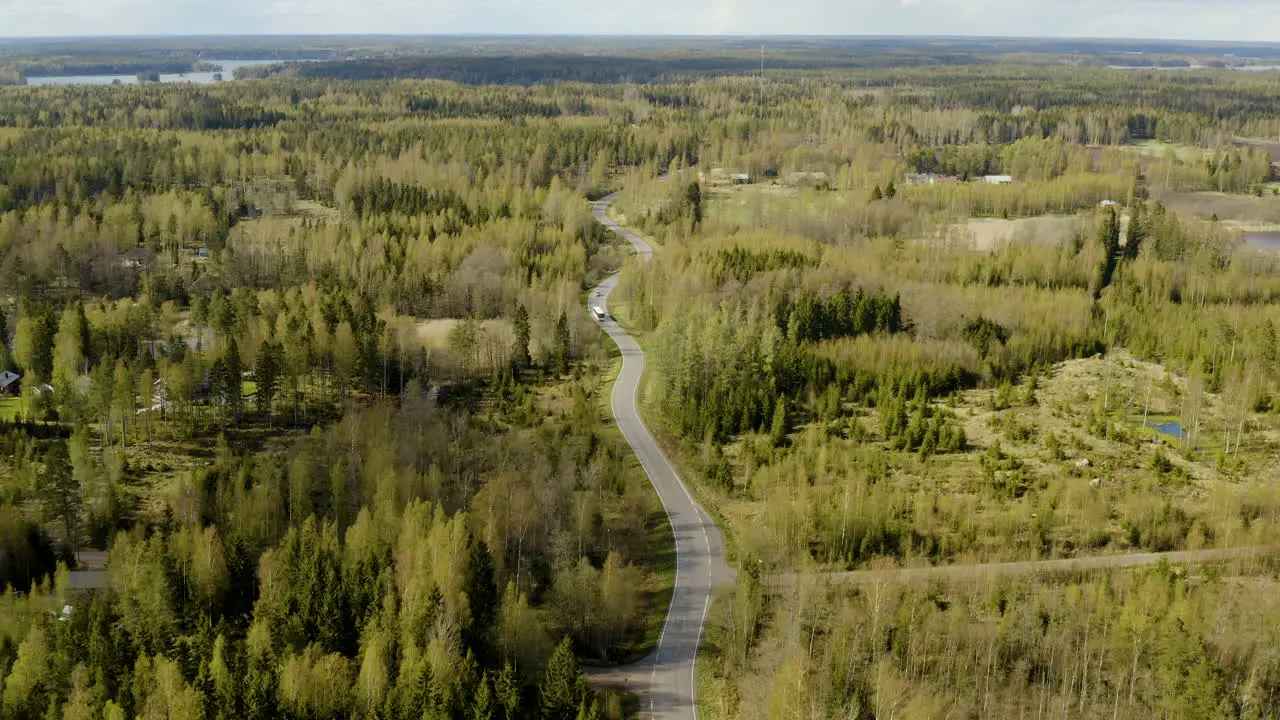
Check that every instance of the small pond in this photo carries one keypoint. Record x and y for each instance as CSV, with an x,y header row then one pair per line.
x,y
1169,428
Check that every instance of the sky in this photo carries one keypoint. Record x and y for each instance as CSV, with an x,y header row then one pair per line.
x,y
1242,20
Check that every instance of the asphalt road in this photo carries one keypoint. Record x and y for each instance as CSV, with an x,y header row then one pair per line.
x,y
665,681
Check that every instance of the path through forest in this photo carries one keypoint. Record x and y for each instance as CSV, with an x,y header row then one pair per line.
x,y
1026,567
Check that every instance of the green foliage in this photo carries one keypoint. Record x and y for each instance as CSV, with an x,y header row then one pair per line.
x,y
983,334
693,198
563,689
355,243
520,360
846,313
779,429
562,357
743,264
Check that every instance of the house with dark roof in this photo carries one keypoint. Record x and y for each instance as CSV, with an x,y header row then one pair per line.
x,y
10,383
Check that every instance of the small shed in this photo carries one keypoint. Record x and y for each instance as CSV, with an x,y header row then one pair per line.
x,y
998,179
10,383
1108,203
740,179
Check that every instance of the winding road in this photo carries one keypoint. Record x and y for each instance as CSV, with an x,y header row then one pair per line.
x,y
665,681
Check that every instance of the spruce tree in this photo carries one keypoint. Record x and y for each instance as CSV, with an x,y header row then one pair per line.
x,y
562,685
693,196
520,360
234,370
270,362
482,706
482,594
778,431
507,691
563,347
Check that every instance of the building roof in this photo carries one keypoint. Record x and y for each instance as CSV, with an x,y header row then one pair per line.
x,y
8,378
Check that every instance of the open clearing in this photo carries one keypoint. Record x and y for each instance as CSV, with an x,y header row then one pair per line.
x,y
991,233
1272,147
1243,209
1159,150
434,334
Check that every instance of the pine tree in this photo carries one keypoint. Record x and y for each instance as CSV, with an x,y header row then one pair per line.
x,y
60,492
890,191
876,194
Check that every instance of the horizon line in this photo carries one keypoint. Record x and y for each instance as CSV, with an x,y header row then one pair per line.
x,y
639,36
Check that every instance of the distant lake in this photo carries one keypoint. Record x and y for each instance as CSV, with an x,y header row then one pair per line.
x,y
200,78
1153,67
1267,239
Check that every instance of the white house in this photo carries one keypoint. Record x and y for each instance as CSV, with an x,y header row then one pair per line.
x,y
998,179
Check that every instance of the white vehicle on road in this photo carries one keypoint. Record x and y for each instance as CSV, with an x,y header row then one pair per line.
x,y
599,312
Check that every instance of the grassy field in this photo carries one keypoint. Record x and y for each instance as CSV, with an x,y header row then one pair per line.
x,y
990,233
1159,149
10,408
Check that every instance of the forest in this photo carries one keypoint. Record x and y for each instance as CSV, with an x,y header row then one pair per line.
x,y
304,416
313,371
